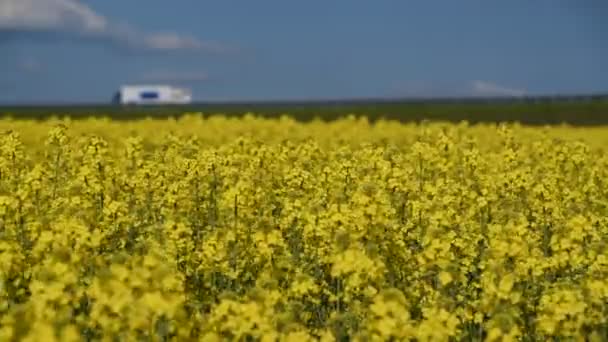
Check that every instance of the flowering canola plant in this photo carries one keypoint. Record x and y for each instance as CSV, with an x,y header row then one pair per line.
x,y
252,229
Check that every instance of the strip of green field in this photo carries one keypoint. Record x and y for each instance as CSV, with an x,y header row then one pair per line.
x,y
589,112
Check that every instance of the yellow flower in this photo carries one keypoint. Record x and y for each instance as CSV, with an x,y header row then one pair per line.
x,y
445,278
222,228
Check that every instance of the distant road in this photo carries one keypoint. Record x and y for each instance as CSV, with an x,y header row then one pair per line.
x,y
576,109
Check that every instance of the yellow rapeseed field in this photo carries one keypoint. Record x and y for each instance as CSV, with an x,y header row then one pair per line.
x,y
251,229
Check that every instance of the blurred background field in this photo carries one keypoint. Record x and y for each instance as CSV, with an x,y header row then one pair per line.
x,y
580,111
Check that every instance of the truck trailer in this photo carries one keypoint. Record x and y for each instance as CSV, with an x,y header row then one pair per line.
x,y
152,95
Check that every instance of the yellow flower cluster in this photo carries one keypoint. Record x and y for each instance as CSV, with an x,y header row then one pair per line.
x,y
252,229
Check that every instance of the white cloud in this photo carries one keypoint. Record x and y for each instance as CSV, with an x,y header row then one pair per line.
x,y
71,18
49,15
484,88
171,41
175,76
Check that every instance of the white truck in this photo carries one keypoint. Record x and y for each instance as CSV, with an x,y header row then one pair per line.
x,y
152,94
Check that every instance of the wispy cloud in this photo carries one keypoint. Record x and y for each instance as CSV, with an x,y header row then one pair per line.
x,y
168,76
483,88
50,15
65,19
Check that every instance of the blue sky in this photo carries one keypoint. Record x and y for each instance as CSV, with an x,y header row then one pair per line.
x,y
82,51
